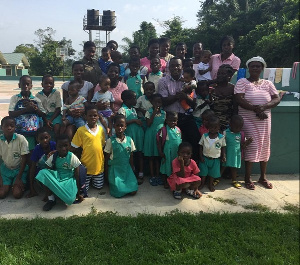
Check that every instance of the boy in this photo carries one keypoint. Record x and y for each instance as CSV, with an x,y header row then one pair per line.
x,y
156,74
13,150
203,69
105,60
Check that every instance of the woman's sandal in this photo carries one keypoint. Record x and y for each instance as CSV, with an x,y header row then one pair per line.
x,y
267,184
236,184
250,185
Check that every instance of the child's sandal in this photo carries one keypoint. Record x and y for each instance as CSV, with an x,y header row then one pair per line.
x,y
236,184
153,181
193,194
216,182
177,194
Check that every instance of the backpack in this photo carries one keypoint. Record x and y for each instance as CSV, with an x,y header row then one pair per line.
x,y
163,132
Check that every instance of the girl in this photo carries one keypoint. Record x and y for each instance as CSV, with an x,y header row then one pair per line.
x,y
73,110
39,156
51,102
134,127
134,81
164,47
235,142
184,174
155,74
169,138
86,88
155,118
119,161
62,177
105,96
205,118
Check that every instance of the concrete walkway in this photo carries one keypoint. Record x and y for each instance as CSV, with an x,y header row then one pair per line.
x,y
157,200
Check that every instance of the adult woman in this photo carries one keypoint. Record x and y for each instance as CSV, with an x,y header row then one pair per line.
x,y
255,98
225,57
116,87
153,47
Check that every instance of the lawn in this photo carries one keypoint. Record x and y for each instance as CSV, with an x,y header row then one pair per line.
x,y
176,238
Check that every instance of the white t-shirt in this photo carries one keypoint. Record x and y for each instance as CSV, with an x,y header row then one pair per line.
x,y
206,76
87,86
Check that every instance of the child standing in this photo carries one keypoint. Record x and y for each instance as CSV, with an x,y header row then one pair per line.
x,y
202,101
203,69
155,118
39,156
13,151
105,96
156,74
63,177
105,60
27,111
185,173
134,81
235,142
134,127
116,57
212,148
164,47
51,102
188,87
90,139
119,161
73,110
205,118
169,138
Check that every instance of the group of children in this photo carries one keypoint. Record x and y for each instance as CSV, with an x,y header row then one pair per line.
x,y
97,143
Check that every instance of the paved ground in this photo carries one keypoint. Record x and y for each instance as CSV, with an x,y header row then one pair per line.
x,y
157,200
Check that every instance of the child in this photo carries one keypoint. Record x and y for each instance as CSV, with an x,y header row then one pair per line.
x,y
164,47
27,111
134,81
119,161
189,86
105,60
72,110
116,57
62,176
212,148
156,74
168,140
187,63
51,101
134,127
13,151
202,101
112,45
155,118
235,142
181,50
185,171
205,118
90,139
105,96
143,103
197,52
39,156
203,69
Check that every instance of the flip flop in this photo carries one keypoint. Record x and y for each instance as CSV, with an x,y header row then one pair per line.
x,y
193,194
216,182
267,184
236,184
250,186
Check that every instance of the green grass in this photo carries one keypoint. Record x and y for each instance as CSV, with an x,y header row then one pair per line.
x,y
227,201
257,207
177,238
292,208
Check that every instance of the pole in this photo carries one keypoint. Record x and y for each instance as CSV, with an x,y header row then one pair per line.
x,y
63,68
90,36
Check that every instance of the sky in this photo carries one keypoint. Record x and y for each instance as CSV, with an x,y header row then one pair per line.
x,y
20,19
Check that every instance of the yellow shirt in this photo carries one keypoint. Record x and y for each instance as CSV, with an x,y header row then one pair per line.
x,y
92,152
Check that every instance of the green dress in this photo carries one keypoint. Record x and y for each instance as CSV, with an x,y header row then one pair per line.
x,y
150,146
120,175
61,181
170,150
135,83
233,149
133,130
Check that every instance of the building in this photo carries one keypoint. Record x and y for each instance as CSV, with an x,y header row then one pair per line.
x,y
13,64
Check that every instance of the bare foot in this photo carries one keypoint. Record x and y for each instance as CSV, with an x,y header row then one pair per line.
x,y
211,188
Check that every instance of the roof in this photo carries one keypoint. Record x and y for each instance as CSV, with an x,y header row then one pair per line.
x,y
13,59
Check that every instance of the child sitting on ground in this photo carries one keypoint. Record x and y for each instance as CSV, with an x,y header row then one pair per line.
x,y
203,69
90,139
105,60
134,80
13,151
105,96
73,110
62,176
156,74
119,161
51,101
212,150
185,173
188,87
39,156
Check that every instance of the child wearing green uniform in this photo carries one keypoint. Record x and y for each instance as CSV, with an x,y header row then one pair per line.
x,y
134,127
119,161
167,145
134,81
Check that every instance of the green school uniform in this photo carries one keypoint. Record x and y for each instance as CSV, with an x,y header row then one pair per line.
x,y
135,83
170,149
150,146
120,175
233,149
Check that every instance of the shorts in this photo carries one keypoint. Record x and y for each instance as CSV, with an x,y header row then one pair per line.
x,y
57,120
97,181
211,167
9,175
105,113
78,122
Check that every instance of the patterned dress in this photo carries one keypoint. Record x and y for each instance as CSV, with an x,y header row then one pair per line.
x,y
259,130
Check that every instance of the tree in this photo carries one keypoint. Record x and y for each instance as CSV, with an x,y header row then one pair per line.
x,y
28,49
